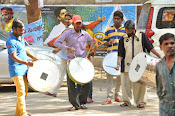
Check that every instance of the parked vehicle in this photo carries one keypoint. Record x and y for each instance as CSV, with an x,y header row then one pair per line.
x,y
157,17
42,52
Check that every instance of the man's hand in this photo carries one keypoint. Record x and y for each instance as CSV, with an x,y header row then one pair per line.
x,y
56,50
101,19
94,41
30,64
71,50
111,41
117,67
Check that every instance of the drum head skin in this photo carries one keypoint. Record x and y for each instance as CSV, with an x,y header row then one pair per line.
x,y
81,70
43,76
137,67
110,62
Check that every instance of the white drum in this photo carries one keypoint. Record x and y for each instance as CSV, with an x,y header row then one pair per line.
x,y
110,62
143,69
43,76
80,70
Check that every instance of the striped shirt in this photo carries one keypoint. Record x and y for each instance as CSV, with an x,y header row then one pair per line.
x,y
113,33
165,81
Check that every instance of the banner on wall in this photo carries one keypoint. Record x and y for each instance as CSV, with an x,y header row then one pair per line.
x,y
91,16
33,33
96,19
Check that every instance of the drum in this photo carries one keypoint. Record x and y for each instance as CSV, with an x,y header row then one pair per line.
x,y
43,76
110,62
80,70
143,69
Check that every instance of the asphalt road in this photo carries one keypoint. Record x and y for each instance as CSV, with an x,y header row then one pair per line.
x,y
38,104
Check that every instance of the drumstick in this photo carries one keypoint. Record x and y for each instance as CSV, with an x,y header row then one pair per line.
x,y
112,48
89,51
77,61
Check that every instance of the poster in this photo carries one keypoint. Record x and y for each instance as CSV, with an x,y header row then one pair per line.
x,y
33,32
89,14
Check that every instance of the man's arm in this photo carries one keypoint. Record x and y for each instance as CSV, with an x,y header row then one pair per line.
x,y
148,45
30,55
156,53
158,83
15,58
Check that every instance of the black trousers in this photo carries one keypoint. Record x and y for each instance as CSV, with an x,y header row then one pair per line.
x,y
74,98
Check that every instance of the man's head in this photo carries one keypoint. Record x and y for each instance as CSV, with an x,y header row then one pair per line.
x,y
117,18
18,27
7,14
130,28
60,13
68,19
167,44
77,22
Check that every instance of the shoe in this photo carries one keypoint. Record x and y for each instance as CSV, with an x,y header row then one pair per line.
x,y
118,99
107,101
28,114
141,105
73,108
49,94
83,107
124,104
89,100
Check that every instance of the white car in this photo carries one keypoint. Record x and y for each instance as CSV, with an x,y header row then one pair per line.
x,y
157,18
42,52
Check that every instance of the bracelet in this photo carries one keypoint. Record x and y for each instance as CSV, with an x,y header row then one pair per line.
x,y
26,63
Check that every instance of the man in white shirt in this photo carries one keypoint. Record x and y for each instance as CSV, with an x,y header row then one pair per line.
x,y
60,13
63,65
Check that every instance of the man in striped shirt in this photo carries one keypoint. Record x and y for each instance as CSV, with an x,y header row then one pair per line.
x,y
112,37
165,76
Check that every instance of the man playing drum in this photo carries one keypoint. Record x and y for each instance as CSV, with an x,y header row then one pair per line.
x,y
165,76
17,59
76,40
112,37
132,43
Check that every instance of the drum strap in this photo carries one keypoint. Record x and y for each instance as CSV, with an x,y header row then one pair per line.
x,y
139,35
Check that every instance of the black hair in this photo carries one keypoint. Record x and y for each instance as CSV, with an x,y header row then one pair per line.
x,y
69,14
6,8
129,24
58,10
17,23
166,36
118,13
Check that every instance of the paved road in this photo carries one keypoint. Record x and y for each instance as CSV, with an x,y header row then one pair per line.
x,y
39,104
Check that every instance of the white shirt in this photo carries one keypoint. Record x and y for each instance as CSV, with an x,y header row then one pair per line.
x,y
56,31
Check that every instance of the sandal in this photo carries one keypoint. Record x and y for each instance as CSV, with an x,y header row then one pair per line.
x,y
141,105
124,104
73,109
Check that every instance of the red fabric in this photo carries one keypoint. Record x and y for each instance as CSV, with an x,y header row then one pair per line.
x,y
7,11
92,25
52,41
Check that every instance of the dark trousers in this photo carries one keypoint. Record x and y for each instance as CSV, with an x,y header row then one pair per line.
x,y
91,89
75,98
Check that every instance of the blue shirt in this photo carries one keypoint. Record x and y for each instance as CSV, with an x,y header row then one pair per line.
x,y
15,45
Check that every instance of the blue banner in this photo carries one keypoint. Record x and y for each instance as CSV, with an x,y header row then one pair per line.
x,y
33,33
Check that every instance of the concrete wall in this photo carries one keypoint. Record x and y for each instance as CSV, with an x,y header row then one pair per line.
x,y
75,2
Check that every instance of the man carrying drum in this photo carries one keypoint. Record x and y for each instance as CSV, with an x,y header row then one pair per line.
x,y
165,76
17,59
132,43
112,37
76,40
